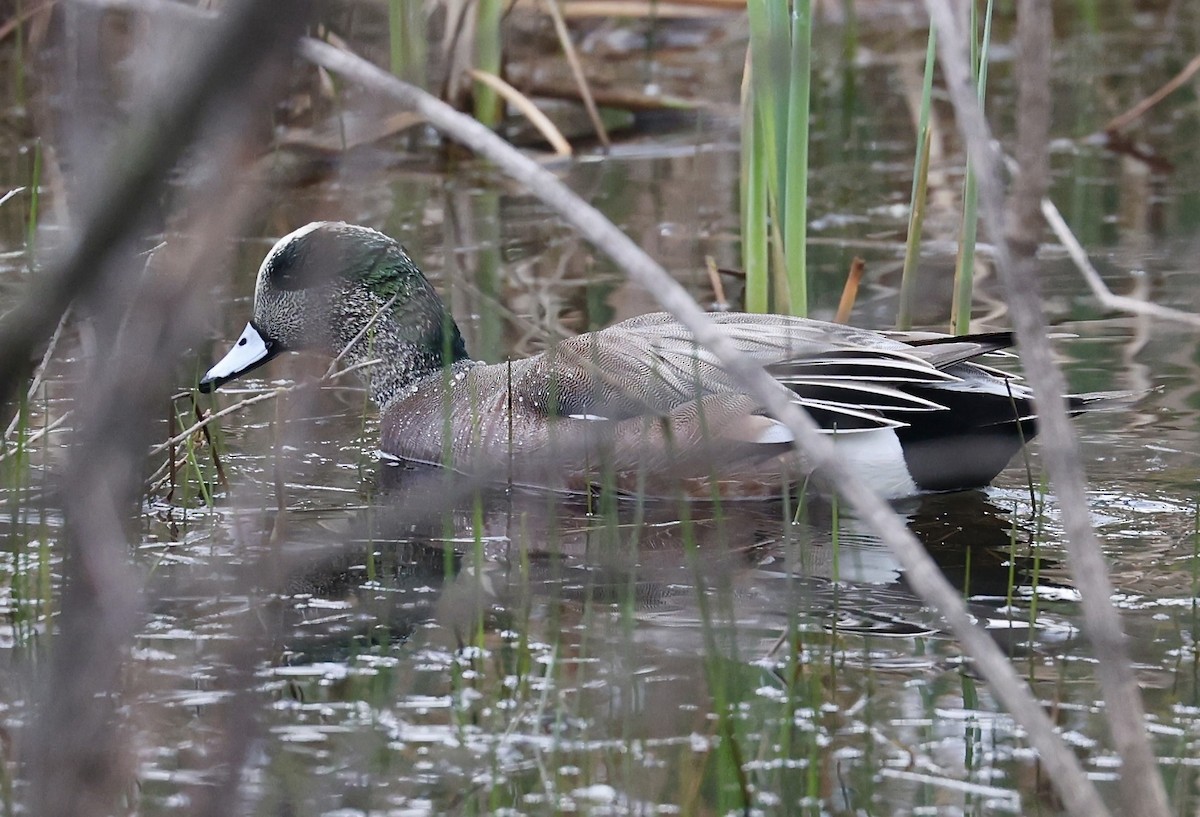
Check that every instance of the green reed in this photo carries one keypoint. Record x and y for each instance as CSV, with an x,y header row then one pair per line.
x,y
1088,13
964,273
754,212
407,40
973,754
487,58
1035,551
920,186
732,790
1195,564
1011,581
775,136
192,461
794,207
23,616
489,271
35,182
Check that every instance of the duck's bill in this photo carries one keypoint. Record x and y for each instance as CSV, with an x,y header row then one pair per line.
x,y
251,351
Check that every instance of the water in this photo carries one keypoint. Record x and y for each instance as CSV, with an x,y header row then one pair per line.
x,y
377,639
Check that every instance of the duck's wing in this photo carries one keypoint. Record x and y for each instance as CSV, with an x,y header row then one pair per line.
x,y
846,378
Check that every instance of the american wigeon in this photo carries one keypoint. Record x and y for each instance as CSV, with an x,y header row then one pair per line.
x,y
637,405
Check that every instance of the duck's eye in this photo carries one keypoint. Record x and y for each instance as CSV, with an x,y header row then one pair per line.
x,y
241,342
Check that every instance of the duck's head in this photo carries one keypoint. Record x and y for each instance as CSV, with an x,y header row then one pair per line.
x,y
334,287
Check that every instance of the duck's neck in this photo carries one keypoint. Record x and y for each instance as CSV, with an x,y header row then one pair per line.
x,y
411,343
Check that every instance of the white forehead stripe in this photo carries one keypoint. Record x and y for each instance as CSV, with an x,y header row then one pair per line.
x,y
299,233
288,239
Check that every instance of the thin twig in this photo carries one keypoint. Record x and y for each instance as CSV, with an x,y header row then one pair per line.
x,y
1096,284
258,398
585,91
75,741
41,432
1120,122
1078,255
35,381
921,572
360,335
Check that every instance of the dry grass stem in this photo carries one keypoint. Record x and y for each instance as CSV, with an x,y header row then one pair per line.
x,y
641,9
35,382
1123,121
714,278
359,335
54,425
622,98
585,91
527,109
258,398
850,290
179,11
11,193
10,26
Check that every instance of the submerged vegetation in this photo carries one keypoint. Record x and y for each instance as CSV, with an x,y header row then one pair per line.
x,y
230,605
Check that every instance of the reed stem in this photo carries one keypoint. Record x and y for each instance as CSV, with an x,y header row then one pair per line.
x,y
920,186
775,137
406,30
487,59
795,203
964,273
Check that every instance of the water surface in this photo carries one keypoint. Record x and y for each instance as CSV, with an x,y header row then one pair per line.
x,y
418,646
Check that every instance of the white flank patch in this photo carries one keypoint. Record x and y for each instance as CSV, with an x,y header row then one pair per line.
x,y
288,239
591,417
876,458
775,433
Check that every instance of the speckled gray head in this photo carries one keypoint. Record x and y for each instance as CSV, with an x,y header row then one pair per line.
x,y
331,286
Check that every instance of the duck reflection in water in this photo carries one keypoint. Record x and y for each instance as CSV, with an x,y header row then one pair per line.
x,y
491,553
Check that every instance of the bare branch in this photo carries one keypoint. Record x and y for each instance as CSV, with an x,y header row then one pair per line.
x,y
1092,278
79,762
258,398
1141,784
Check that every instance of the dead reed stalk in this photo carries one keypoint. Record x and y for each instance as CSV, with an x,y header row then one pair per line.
x,y
78,761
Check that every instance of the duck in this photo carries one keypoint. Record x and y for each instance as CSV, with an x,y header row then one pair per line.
x,y
638,407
